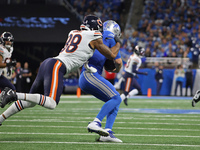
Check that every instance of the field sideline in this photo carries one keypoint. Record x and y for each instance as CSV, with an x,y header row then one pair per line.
x,y
146,123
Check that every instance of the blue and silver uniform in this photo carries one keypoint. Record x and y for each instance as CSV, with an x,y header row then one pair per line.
x,y
95,84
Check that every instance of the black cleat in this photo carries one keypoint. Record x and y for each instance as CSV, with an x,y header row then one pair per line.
x,y
7,96
126,101
196,98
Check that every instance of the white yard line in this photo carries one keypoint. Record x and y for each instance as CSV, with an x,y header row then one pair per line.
x,y
129,122
82,127
98,143
118,118
89,134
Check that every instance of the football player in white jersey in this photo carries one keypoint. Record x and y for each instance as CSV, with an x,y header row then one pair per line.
x,y
48,84
131,70
6,49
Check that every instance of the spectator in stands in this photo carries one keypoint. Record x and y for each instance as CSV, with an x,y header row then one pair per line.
x,y
147,52
180,76
26,78
189,80
18,75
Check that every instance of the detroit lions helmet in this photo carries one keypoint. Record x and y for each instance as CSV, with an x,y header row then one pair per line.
x,y
113,27
7,36
91,22
139,50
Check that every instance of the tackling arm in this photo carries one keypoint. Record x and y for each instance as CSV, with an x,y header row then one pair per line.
x,y
137,72
105,50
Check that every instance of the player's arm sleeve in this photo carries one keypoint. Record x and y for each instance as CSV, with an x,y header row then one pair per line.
x,y
134,69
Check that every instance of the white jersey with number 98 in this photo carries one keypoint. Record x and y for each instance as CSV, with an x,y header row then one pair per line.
x,y
77,49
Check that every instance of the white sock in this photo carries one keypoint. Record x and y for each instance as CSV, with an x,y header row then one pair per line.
x,y
108,129
20,95
15,108
117,85
132,93
122,97
97,120
39,99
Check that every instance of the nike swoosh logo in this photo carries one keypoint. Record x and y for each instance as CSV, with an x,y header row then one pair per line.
x,y
9,92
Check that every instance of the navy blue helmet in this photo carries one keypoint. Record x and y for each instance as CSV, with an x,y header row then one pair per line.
x,y
139,50
91,22
6,36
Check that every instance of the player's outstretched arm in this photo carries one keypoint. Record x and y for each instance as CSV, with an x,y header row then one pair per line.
x,y
105,50
2,65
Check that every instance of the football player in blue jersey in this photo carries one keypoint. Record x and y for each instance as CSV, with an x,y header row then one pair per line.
x,y
92,82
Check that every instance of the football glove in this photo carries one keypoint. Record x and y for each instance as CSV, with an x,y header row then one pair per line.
x,y
117,39
11,63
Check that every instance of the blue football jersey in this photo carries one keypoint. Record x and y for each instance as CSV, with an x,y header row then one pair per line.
x,y
97,60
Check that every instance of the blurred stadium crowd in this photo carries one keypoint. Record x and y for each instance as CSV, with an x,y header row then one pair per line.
x,y
167,28
105,9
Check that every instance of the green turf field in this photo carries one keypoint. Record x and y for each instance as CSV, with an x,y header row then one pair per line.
x,y
144,124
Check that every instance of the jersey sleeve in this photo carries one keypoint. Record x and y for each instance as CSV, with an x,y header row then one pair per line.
x,y
97,34
1,51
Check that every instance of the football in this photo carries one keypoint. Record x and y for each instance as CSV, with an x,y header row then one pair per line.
x,y
109,65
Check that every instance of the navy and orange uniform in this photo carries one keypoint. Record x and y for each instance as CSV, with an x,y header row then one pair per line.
x,y
76,52
4,82
133,64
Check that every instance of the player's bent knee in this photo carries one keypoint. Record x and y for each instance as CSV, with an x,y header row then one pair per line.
x,y
117,99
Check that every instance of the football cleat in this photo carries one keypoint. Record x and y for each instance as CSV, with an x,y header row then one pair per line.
x,y
96,127
196,98
7,96
110,138
126,101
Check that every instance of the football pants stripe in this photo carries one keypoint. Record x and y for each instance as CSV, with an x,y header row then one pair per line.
x,y
99,84
54,82
128,84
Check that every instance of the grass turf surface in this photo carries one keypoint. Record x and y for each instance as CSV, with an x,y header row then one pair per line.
x,y
140,125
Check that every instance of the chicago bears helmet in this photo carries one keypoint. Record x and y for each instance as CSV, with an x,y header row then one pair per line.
x,y
91,22
113,27
7,36
139,50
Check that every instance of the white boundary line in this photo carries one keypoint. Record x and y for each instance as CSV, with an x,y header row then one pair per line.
x,y
118,118
98,143
81,127
88,134
57,120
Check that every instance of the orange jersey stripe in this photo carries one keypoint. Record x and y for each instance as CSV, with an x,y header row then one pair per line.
x,y
97,33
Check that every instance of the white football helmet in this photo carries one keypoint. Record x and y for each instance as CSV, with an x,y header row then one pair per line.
x,y
113,27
